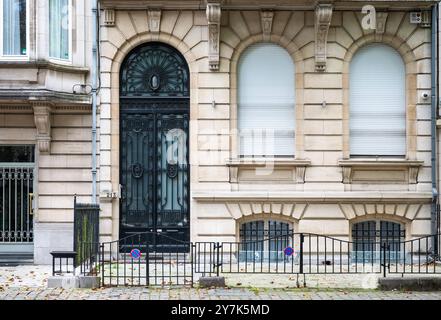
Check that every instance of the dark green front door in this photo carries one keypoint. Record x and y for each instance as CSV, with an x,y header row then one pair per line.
x,y
154,159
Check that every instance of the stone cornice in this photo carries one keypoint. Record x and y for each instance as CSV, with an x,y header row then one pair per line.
x,y
26,96
41,64
263,4
313,197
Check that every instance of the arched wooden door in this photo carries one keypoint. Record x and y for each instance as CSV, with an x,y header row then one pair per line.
x,y
154,153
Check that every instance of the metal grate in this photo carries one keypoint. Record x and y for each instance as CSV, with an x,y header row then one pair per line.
x,y
369,237
268,238
16,220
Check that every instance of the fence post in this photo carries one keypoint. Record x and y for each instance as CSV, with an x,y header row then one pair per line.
x,y
147,263
102,263
192,252
384,245
302,238
217,258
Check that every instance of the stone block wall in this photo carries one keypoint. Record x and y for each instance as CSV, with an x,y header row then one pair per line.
x,y
323,198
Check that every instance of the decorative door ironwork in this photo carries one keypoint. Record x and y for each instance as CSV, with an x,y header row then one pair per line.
x,y
16,194
154,126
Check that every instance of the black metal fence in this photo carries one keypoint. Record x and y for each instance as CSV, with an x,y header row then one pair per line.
x,y
305,253
138,261
86,236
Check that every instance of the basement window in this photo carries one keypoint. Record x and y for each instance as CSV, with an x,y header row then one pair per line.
x,y
264,240
369,237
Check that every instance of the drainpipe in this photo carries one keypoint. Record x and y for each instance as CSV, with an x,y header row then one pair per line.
x,y
94,96
434,77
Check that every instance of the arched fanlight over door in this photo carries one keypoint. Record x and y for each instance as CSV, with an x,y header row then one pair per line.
x,y
155,70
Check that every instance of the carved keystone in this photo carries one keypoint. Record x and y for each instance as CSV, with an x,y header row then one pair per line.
x,y
154,19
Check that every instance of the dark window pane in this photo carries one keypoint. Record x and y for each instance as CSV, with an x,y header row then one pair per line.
x,y
23,27
364,236
270,238
391,233
17,154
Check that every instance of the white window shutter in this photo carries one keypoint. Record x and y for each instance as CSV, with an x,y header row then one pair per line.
x,y
377,102
266,101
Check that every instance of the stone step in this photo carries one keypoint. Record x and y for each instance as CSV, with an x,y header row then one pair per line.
x,y
15,259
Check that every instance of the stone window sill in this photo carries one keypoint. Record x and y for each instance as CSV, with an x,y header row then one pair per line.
x,y
241,169
365,170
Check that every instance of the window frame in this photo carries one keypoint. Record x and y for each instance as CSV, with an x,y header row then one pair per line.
x,y
374,244
405,106
16,57
69,60
265,244
240,131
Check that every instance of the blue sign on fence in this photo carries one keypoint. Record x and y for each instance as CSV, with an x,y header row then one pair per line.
x,y
288,251
135,253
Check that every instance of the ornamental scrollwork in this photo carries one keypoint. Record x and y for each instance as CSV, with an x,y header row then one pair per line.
x,y
154,70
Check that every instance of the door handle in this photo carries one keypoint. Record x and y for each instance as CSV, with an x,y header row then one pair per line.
x,y
31,204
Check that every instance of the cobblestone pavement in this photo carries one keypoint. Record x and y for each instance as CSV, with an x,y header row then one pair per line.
x,y
30,283
209,294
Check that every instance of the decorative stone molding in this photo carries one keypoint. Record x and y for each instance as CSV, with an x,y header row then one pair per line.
x,y
213,17
398,210
323,15
380,171
267,23
353,197
42,118
154,19
244,209
247,170
109,17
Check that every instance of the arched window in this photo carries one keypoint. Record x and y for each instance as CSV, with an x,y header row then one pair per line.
x,y
266,101
264,239
377,102
369,236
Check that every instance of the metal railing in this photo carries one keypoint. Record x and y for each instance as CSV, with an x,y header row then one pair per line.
x,y
86,236
142,260
305,253
137,261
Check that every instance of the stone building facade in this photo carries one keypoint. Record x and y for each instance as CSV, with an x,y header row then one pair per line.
x,y
319,186
44,104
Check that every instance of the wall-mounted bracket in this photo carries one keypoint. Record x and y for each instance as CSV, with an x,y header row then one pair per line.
x,y
213,17
42,119
323,16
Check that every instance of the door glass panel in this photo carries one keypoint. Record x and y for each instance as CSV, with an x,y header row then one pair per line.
x,y
172,171
137,169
